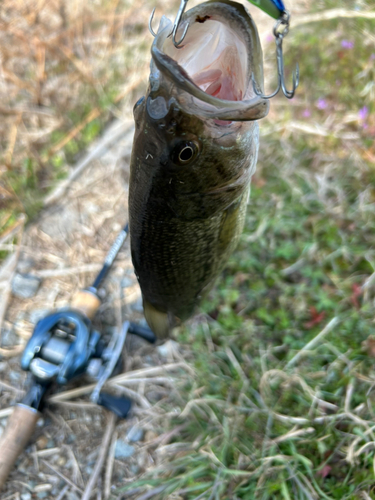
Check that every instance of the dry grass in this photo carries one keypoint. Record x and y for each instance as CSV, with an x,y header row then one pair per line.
x,y
65,67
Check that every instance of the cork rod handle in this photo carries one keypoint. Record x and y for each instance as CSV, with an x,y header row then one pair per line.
x,y
19,429
87,303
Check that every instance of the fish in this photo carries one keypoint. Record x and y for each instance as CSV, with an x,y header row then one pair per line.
x,y
194,152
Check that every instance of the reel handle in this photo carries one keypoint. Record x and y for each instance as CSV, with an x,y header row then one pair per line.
x,y
20,426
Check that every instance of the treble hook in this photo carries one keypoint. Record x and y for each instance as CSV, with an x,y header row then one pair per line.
x,y
176,24
284,20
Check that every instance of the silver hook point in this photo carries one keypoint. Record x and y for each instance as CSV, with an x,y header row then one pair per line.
x,y
289,94
174,32
176,25
259,92
150,22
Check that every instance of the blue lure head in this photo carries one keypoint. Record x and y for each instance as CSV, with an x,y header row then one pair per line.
x,y
274,8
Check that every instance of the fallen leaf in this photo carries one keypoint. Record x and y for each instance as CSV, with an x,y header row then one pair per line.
x,y
368,346
316,318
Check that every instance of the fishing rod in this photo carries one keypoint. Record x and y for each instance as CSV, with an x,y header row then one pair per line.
x,y
63,345
275,9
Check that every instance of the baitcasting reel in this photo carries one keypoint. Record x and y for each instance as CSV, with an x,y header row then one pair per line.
x,y
65,345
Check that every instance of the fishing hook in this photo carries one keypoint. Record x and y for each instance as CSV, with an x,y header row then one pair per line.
x,y
279,35
150,23
176,24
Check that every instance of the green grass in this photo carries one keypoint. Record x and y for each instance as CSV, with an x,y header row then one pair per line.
x,y
259,425
248,399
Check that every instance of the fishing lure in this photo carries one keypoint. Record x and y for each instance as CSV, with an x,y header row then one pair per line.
x,y
274,8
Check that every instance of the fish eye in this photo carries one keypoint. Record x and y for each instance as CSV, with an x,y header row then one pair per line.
x,y
184,152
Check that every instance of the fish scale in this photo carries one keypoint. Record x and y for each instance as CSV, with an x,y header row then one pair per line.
x,y
177,272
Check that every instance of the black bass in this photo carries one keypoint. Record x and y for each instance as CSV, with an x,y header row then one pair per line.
x,y
194,153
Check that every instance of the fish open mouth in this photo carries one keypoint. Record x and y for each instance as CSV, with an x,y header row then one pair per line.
x,y
213,68
214,57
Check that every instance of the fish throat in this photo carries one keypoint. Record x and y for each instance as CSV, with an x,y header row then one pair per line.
x,y
214,57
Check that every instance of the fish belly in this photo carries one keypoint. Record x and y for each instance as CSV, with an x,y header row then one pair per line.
x,y
177,261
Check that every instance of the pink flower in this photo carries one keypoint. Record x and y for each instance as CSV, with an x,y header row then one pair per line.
x,y
306,113
363,113
324,471
347,44
322,104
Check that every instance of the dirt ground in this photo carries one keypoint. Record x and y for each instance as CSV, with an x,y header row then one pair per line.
x,y
64,248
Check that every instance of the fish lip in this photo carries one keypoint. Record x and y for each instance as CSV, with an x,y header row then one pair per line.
x,y
221,109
